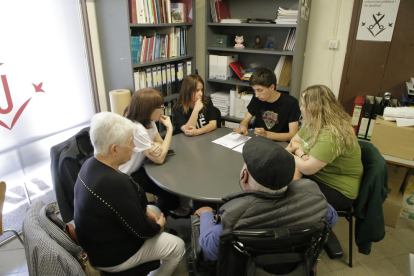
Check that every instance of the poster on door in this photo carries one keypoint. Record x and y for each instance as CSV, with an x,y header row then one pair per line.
x,y
377,20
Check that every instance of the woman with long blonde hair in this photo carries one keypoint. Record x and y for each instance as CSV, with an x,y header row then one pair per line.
x,y
194,113
326,149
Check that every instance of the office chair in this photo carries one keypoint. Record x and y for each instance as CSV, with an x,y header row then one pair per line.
x,y
372,193
2,198
281,251
50,251
66,161
218,115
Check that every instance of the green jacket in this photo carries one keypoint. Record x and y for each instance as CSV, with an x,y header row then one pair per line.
x,y
369,224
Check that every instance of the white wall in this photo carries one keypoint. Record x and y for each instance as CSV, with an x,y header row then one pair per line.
x,y
324,66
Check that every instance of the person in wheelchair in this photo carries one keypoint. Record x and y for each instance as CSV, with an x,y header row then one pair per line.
x,y
271,198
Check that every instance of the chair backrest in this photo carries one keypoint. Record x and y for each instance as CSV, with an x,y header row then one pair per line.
x,y
2,198
66,161
375,173
218,115
282,251
48,252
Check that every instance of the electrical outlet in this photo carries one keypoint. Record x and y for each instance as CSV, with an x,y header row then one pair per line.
x,y
333,44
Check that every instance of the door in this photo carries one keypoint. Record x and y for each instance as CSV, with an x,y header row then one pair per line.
x,y
372,67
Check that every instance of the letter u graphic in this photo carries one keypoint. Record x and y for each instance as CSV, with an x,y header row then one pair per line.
x,y
8,96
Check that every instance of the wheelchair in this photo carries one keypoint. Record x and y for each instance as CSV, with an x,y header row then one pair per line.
x,y
256,252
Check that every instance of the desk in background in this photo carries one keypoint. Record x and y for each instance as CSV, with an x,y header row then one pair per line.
x,y
398,161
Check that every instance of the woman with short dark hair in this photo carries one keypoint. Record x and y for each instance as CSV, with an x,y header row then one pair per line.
x,y
144,109
194,113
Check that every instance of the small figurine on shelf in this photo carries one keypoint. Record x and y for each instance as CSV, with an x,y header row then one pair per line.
x,y
258,42
239,40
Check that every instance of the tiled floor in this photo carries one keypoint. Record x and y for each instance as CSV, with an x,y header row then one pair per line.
x,y
388,257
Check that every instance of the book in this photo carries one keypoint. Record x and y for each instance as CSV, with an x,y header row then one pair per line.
x,y
132,11
223,10
279,67
213,11
189,6
237,68
146,12
286,72
140,11
136,80
177,15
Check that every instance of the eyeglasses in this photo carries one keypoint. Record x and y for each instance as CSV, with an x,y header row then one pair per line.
x,y
161,107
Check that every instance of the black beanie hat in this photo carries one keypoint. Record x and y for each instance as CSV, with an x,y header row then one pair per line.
x,y
268,163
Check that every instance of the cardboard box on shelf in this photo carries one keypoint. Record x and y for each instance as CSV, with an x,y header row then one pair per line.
x,y
392,208
396,176
393,140
408,199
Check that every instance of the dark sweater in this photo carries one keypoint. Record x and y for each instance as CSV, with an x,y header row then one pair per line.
x,y
369,223
110,237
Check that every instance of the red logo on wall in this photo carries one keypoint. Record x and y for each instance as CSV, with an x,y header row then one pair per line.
x,y
9,108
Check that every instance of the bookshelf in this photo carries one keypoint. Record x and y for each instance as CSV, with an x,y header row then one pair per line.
x,y
249,56
115,31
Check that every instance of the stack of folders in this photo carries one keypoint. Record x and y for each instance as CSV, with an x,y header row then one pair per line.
x,y
160,11
283,70
152,44
286,16
290,40
221,100
166,78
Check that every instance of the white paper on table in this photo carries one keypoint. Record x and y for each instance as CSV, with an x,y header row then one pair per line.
x,y
231,140
239,148
402,122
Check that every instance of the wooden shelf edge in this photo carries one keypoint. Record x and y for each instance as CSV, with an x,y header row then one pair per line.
x,y
277,52
146,25
241,83
252,25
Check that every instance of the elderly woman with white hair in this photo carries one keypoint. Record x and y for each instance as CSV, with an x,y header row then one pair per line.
x,y
113,222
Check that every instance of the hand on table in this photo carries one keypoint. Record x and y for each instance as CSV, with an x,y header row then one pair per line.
x,y
191,131
241,130
259,131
